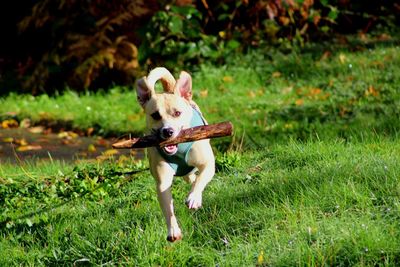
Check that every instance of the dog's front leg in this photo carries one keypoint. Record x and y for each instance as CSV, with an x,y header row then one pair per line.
x,y
206,173
165,198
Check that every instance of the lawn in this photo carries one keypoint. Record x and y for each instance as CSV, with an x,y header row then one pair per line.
x,y
310,177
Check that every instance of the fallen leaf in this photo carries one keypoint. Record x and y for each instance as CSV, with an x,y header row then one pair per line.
x,y
251,94
36,130
325,55
110,152
123,159
28,148
91,148
21,142
260,258
287,90
288,126
299,102
203,93
378,64
9,124
90,131
284,20
371,91
384,37
343,111
227,79
363,37
134,117
276,74
25,123
315,91
8,139
342,58
67,135
102,142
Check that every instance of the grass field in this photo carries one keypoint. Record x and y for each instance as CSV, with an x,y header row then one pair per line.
x,y
314,182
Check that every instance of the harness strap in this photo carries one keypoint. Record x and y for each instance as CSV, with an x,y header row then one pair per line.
x,y
179,160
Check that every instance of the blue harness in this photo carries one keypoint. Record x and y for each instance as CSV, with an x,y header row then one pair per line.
x,y
179,160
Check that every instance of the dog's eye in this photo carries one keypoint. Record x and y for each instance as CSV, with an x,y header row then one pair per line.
x,y
156,116
177,113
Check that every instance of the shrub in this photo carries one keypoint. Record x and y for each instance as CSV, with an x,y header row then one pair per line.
x,y
82,44
94,44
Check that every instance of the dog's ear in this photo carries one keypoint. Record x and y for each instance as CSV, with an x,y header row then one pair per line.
x,y
167,80
183,86
143,91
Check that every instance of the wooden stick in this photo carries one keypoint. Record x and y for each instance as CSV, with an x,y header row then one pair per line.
x,y
186,135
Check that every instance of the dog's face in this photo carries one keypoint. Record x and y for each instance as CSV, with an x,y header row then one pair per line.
x,y
169,112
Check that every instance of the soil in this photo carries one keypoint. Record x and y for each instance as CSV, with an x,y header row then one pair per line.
x,y
22,144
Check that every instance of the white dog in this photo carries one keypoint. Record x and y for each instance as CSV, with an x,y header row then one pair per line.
x,y
167,114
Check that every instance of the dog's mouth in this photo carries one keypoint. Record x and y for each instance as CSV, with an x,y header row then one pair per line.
x,y
170,149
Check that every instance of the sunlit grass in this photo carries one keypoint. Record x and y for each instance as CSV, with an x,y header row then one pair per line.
x,y
323,92
315,182
295,204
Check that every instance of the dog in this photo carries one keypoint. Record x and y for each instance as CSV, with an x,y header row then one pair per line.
x,y
167,113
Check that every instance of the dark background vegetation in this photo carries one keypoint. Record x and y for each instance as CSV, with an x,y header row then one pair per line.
x,y
48,45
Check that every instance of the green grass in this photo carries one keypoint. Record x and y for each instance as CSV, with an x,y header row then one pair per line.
x,y
314,183
268,96
316,203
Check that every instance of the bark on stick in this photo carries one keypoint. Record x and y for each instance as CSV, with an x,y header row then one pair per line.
x,y
186,135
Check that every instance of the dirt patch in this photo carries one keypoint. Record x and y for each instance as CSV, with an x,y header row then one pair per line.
x,y
21,144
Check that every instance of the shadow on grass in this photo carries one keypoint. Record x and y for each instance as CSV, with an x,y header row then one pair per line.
x,y
20,223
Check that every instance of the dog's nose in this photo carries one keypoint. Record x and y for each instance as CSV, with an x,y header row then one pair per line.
x,y
167,132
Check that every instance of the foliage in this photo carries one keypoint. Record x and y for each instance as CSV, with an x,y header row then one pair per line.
x,y
92,181
81,43
91,45
227,161
256,23
175,37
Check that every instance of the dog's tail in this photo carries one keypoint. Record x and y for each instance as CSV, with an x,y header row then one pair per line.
x,y
168,81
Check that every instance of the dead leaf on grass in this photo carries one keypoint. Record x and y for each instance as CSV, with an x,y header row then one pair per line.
x,y
21,142
276,74
371,91
11,123
260,258
325,55
67,135
204,93
299,102
25,123
227,79
36,129
110,152
342,58
287,90
251,94
28,148
91,148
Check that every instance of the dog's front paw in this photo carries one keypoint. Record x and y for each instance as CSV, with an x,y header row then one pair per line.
x,y
174,235
194,201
